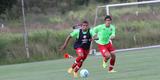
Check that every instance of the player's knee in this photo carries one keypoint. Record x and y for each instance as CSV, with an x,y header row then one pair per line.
x,y
108,55
112,52
80,54
82,60
81,57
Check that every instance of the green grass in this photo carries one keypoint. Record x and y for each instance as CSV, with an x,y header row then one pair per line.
x,y
131,65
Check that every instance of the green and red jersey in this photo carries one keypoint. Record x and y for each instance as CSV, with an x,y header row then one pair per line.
x,y
104,33
75,33
83,39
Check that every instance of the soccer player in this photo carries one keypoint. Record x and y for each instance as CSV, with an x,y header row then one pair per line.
x,y
83,38
106,32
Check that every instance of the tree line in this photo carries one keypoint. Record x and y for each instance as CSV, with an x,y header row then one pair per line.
x,y
11,9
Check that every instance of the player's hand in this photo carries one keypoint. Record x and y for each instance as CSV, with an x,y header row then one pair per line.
x,y
93,39
67,56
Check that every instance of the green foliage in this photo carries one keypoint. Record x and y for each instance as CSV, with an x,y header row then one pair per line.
x,y
56,19
137,34
6,4
44,43
9,10
3,45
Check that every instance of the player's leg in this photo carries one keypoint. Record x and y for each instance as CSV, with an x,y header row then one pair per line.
x,y
112,62
111,49
105,54
79,61
84,55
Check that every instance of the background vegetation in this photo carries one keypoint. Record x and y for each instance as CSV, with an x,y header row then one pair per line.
x,y
48,25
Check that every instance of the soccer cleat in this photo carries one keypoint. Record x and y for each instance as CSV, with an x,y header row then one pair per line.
x,y
70,70
75,74
104,64
112,71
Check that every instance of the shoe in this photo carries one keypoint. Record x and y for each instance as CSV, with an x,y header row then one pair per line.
x,y
75,74
104,64
70,70
112,71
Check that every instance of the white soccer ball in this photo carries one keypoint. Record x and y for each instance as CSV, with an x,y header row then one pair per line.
x,y
84,73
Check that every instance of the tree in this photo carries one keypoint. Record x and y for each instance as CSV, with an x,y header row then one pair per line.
x,y
6,4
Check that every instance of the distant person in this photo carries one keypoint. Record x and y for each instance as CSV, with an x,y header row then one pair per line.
x,y
77,26
83,38
105,33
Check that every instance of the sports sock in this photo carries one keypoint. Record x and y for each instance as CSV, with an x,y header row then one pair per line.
x,y
112,62
74,65
79,65
76,69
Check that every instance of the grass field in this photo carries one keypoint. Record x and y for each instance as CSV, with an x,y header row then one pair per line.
x,y
131,65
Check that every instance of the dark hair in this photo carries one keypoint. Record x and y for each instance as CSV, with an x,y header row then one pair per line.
x,y
85,22
108,17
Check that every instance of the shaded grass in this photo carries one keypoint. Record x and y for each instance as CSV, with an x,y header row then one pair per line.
x,y
131,65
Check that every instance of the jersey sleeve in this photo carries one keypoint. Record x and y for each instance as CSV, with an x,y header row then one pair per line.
x,y
95,29
74,33
92,32
113,31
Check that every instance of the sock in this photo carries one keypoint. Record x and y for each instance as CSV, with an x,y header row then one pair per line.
x,y
112,62
76,69
79,65
78,59
74,65
110,68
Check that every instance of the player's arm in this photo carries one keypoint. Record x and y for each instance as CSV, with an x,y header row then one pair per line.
x,y
72,34
113,33
65,43
95,29
93,34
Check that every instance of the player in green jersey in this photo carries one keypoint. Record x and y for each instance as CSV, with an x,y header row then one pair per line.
x,y
106,32
83,38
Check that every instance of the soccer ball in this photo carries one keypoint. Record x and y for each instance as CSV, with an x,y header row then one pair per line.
x,y
84,73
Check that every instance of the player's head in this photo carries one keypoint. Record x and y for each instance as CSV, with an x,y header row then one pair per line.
x,y
85,26
108,20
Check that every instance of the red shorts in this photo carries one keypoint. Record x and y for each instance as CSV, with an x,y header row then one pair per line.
x,y
106,48
82,52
